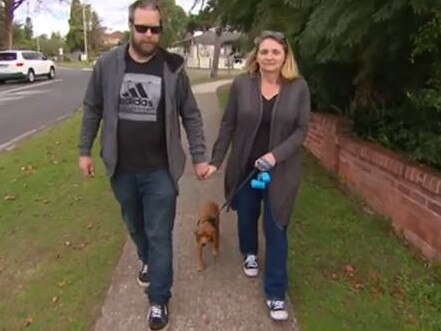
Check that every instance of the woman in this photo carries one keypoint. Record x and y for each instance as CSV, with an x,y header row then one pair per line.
x,y
265,120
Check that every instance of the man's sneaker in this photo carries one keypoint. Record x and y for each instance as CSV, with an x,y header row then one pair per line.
x,y
250,266
144,276
158,317
277,310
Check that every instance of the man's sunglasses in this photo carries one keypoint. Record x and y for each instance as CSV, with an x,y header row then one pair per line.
x,y
144,28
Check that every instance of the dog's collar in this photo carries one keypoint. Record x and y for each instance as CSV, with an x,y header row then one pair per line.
x,y
210,220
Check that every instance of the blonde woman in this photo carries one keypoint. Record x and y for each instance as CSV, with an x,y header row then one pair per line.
x,y
265,121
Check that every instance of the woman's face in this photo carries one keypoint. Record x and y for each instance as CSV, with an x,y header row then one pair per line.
x,y
270,56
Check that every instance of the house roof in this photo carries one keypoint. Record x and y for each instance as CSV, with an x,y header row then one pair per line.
x,y
209,38
114,35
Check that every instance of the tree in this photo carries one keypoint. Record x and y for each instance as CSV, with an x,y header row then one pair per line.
x,y
9,7
376,61
94,30
174,22
28,29
210,16
50,46
74,38
2,27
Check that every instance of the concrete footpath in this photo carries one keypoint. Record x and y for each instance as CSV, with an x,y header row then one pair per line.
x,y
219,298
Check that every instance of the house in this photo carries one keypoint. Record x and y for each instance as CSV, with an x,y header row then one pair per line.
x,y
112,38
198,50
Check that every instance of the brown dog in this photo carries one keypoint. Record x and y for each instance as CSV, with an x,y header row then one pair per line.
x,y
207,230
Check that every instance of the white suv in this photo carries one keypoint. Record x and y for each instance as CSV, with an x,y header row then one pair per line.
x,y
24,65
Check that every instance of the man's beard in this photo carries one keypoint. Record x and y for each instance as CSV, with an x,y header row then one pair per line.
x,y
143,49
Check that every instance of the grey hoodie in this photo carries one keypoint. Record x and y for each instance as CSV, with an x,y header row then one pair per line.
x,y
101,103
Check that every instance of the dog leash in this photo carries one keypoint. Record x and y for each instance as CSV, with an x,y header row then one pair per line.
x,y
230,198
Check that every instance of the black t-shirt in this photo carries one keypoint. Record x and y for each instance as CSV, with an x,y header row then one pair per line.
x,y
261,142
141,117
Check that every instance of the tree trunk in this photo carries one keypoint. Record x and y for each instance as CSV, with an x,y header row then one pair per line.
x,y
216,55
8,17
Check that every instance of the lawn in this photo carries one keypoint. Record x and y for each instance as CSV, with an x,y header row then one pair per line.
x,y
348,268
60,235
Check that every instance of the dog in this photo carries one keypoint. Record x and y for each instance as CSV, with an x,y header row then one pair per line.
x,y
207,230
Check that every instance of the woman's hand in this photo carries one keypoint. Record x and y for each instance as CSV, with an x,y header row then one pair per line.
x,y
211,170
266,162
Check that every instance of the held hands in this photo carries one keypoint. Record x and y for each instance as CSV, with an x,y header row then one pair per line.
x,y
200,170
211,170
204,170
266,162
86,165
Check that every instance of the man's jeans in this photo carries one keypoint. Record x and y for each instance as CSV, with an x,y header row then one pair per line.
x,y
148,206
248,202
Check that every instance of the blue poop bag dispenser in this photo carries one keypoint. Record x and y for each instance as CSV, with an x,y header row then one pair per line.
x,y
262,180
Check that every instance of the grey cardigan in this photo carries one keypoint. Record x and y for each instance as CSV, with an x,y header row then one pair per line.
x,y
101,103
289,126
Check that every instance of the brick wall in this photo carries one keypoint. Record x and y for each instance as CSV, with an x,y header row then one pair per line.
x,y
408,193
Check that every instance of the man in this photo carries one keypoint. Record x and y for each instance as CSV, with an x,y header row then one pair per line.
x,y
139,91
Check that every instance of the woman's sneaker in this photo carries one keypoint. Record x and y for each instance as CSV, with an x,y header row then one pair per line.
x,y
144,276
158,317
277,310
250,265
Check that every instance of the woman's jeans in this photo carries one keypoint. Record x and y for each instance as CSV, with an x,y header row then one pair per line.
x,y
248,202
148,206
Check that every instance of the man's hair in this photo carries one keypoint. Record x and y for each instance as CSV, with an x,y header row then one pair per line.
x,y
144,4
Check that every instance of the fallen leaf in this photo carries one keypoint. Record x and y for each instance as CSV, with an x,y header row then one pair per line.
x,y
55,299
358,287
90,226
55,162
28,321
57,143
81,246
62,284
67,243
10,197
350,270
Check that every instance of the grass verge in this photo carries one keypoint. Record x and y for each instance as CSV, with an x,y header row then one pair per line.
x,y
349,270
60,235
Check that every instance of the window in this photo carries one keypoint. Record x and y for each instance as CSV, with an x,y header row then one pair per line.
x,y
32,56
8,56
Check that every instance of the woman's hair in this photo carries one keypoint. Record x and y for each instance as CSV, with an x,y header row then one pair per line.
x,y
289,70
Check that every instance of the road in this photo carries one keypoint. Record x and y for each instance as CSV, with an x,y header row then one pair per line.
x,y
27,108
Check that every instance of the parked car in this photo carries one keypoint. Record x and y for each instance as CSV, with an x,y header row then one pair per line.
x,y
25,65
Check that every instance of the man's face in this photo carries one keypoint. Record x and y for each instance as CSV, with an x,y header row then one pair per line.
x,y
145,31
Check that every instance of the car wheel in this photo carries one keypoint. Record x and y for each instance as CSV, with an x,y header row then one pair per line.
x,y
51,74
30,76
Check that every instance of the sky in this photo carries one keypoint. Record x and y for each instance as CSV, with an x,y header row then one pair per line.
x,y
53,15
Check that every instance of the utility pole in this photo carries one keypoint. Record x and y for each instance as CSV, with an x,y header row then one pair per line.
x,y
85,30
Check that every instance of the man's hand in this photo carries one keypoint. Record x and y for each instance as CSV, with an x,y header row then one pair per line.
x,y
266,162
86,166
211,170
200,169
